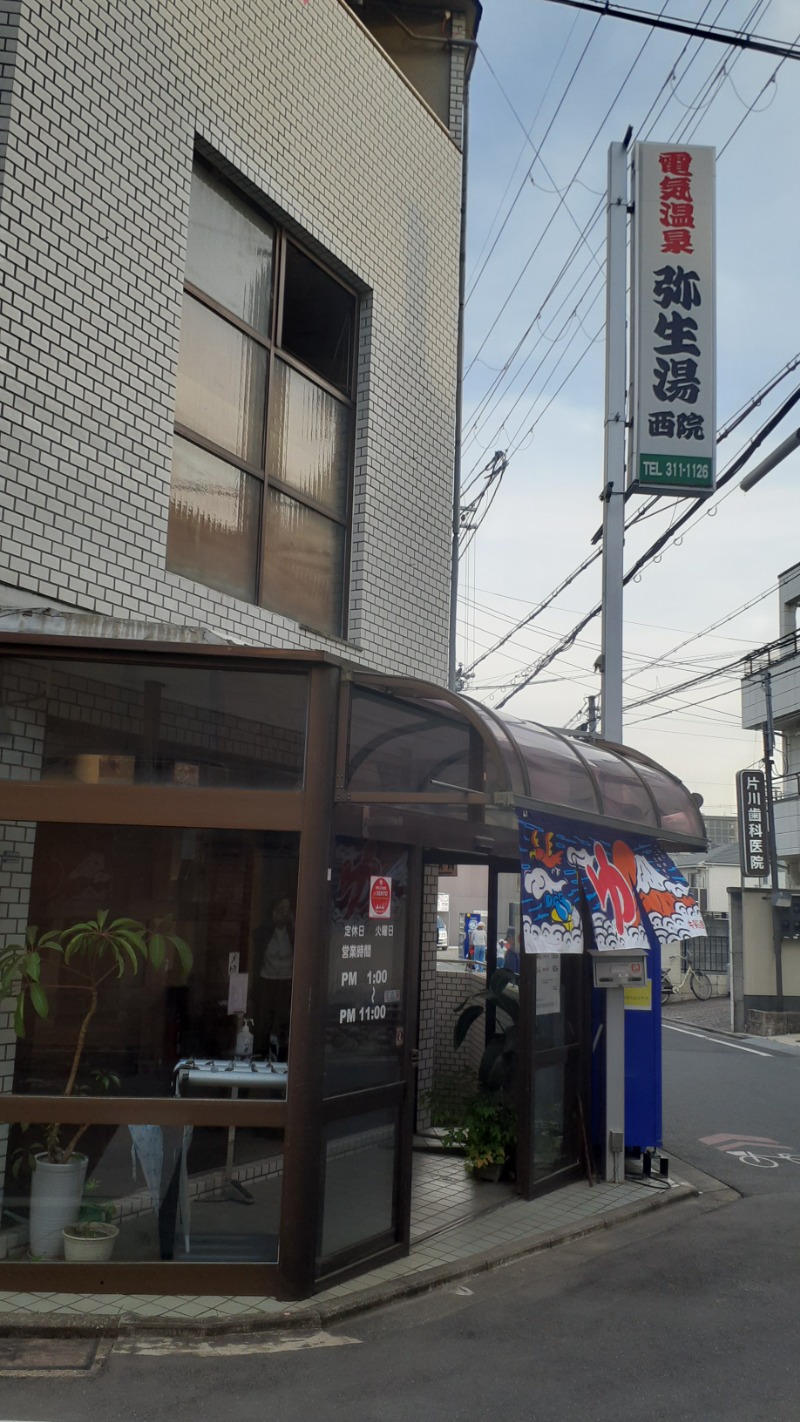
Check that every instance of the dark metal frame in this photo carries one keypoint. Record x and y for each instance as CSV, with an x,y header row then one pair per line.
x,y
281,238
308,811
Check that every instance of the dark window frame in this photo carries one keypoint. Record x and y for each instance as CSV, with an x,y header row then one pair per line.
x,y
283,241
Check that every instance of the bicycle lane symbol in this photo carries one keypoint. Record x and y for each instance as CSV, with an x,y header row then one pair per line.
x,y
760,1151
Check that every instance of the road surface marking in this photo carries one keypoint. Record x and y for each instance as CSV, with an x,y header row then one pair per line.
x,y
737,1046
209,1348
729,1142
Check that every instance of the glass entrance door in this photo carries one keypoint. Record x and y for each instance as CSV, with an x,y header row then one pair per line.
x,y
367,1097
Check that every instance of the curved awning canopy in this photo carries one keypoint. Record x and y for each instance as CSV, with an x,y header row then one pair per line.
x,y
417,744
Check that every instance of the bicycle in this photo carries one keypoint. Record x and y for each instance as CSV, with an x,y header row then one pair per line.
x,y
698,981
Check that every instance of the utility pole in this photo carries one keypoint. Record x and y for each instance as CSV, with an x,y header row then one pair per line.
x,y
613,495
768,733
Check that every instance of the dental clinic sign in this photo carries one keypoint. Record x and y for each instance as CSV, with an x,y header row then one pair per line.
x,y
674,431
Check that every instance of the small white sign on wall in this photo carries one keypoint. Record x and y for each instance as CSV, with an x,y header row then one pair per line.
x,y
548,983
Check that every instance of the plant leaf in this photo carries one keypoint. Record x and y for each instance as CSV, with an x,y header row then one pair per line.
x,y
19,1015
158,949
183,951
39,999
465,1021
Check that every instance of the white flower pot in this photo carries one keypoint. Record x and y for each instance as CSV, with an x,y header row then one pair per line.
x,y
90,1249
56,1194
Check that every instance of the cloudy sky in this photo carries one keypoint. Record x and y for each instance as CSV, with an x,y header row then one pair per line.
x,y
551,88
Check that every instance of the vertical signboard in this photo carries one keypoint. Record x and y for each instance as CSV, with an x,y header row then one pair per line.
x,y
674,422
751,805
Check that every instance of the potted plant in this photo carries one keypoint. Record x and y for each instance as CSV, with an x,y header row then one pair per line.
x,y
92,953
488,1128
90,1240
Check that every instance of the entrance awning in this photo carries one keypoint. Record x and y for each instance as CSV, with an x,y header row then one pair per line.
x,y
419,746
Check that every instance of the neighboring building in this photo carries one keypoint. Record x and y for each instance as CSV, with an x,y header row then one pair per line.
x,y
773,674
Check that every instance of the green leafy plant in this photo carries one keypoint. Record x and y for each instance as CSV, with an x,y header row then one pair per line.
x,y
93,1210
488,1128
92,953
487,1133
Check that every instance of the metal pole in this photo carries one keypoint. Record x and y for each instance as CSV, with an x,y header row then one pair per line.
x,y
614,467
777,935
613,552
462,283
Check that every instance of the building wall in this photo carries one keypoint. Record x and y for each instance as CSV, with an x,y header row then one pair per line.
x,y
104,106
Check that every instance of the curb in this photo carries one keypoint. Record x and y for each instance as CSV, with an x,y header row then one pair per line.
x,y
313,1316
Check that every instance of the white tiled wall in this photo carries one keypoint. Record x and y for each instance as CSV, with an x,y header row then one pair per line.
x,y
103,105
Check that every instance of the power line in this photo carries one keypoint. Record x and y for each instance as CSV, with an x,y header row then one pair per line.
x,y
659,543
683,27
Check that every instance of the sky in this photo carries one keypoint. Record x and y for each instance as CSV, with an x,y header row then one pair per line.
x,y
551,88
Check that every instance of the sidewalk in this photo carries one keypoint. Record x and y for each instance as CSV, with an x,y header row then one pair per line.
x,y
513,1229
715,1016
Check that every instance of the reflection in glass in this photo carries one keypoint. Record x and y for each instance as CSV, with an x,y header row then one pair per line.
x,y
318,319
222,383
677,811
366,968
555,1118
214,518
229,250
308,439
103,723
555,772
160,1029
303,564
624,795
359,1202
403,746
161,1192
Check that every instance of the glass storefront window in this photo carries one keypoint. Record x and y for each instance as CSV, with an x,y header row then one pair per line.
x,y
154,1028
171,1192
360,1201
103,723
366,967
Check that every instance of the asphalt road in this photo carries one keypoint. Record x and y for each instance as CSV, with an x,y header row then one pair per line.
x,y
718,1088
687,1314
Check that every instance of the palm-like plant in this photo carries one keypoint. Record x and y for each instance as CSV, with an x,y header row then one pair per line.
x,y
92,952
498,1065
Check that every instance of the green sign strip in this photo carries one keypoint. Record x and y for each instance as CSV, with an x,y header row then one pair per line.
x,y
681,473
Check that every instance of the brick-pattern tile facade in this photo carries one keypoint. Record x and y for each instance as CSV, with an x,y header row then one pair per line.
x,y
102,106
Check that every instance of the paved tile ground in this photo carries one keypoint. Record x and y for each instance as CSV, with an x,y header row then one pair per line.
x,y
456,1234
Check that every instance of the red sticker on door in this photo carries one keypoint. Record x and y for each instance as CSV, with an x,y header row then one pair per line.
x,y
380,896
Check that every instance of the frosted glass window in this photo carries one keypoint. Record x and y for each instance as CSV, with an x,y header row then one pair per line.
x,y
308,439
222,379
229,250
303,564
214,517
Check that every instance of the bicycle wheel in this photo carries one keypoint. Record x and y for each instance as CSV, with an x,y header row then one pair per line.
x,y
666,994
761,1162
701,986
